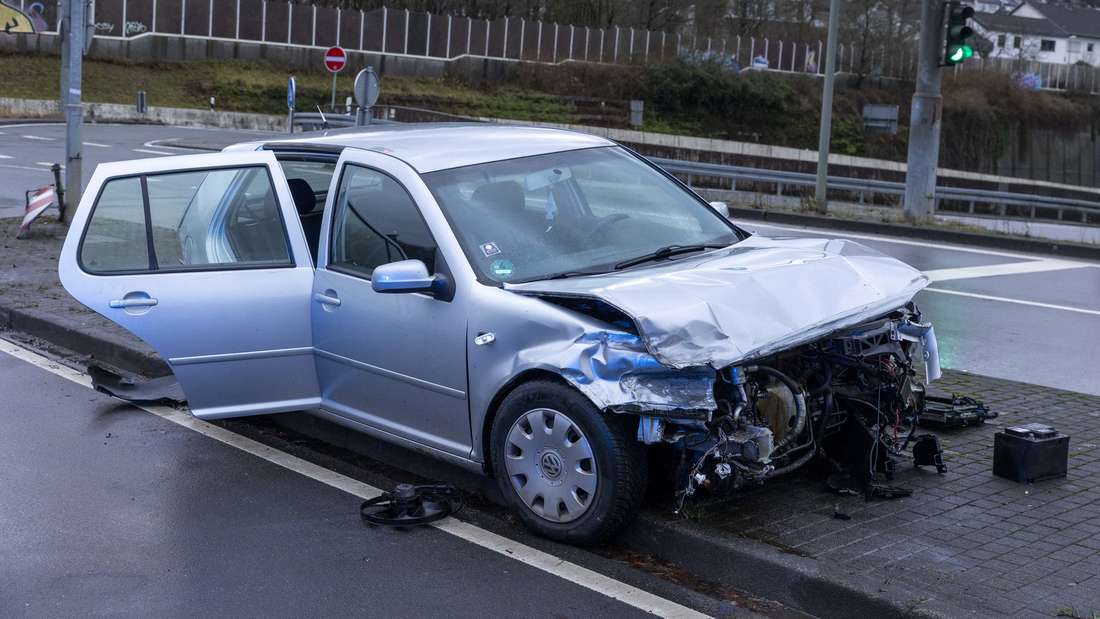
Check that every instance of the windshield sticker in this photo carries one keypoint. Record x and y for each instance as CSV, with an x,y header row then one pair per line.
x,y
490,249
502,269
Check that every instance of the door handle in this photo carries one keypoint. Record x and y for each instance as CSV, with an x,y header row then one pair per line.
x,y
325,299
134,302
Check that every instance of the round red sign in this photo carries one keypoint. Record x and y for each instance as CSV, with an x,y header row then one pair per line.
x,y
335,59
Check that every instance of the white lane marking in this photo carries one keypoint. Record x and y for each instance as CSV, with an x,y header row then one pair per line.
x,y
96,144
150,152
156,144
986,297
614,589
40,138
887,239
1011,268
46,164
5,156
22,167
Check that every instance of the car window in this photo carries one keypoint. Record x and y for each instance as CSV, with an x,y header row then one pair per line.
x,y
576,211
115,237
226,217
316,174
376,222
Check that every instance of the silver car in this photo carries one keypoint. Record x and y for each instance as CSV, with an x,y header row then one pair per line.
x,y
538,305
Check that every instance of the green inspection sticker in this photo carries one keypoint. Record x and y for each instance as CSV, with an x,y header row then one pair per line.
x,y
502,269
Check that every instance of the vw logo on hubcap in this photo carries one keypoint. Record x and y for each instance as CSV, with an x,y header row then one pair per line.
x,y
551,465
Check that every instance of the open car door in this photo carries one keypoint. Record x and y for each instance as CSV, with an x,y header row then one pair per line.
x,y
202,257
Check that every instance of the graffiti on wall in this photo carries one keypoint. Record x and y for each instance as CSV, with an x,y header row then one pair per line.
x,y
13,20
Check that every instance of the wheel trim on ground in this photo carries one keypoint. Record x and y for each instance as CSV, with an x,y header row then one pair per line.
x,y
550,465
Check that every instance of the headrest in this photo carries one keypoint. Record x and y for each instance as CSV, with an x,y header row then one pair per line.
x,y
303,195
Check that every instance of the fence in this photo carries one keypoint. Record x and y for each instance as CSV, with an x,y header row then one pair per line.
x,y
427,35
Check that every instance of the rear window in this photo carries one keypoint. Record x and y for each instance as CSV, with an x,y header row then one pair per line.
x,y
192,220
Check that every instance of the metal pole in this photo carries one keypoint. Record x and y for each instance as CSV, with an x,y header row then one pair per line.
x,y
63,33
827,107
924,124
73,116
333,104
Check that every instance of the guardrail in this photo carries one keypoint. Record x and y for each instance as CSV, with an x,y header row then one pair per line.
x,y
955,199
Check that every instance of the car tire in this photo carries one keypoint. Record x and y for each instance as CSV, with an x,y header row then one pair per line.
x,y
618,463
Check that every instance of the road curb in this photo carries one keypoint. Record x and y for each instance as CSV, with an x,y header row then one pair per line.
x,y
73,338
784,576
994,241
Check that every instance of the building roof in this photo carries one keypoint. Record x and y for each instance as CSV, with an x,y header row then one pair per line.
x,y
428,147
1081,22
1006,22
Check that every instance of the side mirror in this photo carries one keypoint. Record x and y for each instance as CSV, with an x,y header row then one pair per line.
x,y
405,276
722,208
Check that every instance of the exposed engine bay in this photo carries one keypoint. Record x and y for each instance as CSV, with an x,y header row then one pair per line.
x,y
852,399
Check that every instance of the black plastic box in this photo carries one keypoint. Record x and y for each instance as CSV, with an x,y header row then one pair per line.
x,y
1030,452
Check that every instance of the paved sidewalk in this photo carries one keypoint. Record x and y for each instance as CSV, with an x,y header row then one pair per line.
x,y
983,543
966,541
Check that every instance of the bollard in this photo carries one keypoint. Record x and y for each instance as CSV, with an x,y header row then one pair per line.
x,y
140,103
59,189
211,104
637,108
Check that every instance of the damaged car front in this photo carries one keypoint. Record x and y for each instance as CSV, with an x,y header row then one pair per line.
x,y
749,356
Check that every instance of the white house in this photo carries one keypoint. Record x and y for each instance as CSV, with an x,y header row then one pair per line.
x,y
1045,32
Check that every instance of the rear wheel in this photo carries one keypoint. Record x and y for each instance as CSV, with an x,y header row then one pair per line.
x,y
570,472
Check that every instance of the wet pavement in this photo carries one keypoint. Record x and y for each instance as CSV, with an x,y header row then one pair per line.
x,y
109,510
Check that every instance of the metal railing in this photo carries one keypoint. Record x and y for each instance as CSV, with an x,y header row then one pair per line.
x,y
948,199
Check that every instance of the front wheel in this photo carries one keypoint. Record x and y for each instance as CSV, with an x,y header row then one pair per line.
x,y
569,472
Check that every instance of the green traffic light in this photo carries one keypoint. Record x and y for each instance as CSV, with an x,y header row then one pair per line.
x,y
967,51
957,55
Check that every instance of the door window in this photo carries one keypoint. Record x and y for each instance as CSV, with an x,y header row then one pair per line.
x,y
194,220
115,239
377,222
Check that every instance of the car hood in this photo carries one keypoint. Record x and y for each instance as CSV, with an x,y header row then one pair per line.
x,y
760,296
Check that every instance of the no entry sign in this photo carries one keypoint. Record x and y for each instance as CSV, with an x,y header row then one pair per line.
x,y
335,59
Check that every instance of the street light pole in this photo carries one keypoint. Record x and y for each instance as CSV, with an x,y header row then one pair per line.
x,y
74,11
925,116
827,107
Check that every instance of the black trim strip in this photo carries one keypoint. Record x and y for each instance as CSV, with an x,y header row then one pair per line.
x,y
153,266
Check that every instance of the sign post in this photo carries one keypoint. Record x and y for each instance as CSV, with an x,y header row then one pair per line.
x,y
366,92
335,61
291,90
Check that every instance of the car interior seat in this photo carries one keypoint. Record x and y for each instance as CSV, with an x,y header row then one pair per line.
x,y
306,202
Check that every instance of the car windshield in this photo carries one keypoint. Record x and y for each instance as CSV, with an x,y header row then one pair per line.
x,y
571,213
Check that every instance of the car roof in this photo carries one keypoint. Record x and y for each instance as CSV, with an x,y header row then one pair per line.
x,y
428,147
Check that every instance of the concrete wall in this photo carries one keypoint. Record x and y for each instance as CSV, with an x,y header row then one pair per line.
x,y
117,112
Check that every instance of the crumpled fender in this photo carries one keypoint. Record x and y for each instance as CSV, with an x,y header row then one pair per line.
x,y
617,373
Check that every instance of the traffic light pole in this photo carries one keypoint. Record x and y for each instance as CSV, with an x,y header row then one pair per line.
x,y
924,120
825,130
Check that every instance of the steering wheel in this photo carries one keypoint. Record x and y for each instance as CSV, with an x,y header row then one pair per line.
x,y
604,223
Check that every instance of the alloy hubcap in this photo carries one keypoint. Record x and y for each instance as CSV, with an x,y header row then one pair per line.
x,y
550,465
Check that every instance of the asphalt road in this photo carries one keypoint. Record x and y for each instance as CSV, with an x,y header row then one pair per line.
x,y
112,510
1023,317
27,152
